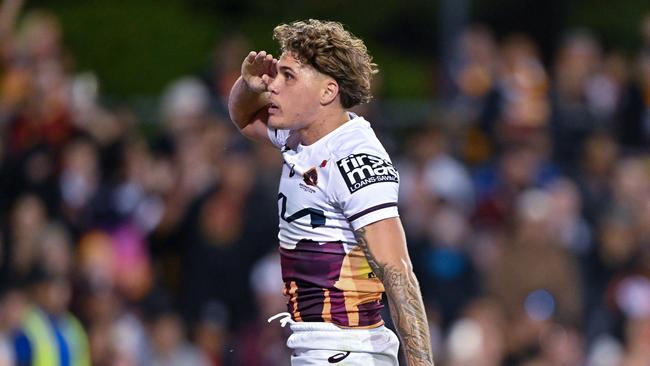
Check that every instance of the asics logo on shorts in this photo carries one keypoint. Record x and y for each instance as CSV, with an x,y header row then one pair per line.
x,y
338,357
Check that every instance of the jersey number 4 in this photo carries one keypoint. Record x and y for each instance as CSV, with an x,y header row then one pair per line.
x,y
317,217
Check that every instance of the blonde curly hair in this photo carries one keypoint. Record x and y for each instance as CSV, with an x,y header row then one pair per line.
x,y
332,50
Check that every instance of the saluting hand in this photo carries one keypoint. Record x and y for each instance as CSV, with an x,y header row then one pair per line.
x,y
258,69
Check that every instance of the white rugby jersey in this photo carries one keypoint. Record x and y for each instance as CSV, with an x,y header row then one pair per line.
x,y
328,189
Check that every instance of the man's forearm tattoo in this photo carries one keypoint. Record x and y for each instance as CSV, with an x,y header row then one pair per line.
x,y
406,306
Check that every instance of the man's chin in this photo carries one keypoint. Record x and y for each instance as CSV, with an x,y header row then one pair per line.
x,y
275,123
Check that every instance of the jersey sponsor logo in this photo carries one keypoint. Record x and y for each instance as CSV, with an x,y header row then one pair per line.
x,y
316,216
362,170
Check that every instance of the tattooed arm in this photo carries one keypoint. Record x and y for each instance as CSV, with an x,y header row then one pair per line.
x,y
384,245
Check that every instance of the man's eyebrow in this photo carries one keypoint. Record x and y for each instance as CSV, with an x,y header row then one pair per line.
x,y
285,68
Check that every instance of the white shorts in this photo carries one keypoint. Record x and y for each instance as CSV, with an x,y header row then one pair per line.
x,y
324,343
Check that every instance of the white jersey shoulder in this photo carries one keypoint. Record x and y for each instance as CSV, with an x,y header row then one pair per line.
x,y
339,184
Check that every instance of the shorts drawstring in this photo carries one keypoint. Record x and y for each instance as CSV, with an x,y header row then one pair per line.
x,y
285,318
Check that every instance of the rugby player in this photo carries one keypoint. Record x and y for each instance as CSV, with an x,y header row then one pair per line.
x,y
342,244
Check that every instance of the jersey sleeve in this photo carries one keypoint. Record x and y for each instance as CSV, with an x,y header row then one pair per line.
x,y
366,186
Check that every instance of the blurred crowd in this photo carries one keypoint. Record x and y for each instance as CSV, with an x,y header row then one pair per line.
x,y
525,198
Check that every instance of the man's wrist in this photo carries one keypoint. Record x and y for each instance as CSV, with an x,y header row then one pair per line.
x,y
249,89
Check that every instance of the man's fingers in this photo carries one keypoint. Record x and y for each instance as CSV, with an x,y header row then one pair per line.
x,y
251,56
260,57
255,57
272,67
257,64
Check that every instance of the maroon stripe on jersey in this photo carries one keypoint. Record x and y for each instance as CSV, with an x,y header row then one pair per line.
x,y
339,312
370,313
310,302
313,263
371,209
314,267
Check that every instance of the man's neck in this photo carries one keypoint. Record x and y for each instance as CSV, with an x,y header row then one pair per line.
x,y
322,126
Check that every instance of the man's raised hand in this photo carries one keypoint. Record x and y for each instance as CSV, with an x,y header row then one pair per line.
x,y
255,66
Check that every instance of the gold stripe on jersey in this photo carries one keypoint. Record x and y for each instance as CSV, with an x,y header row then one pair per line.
x,y
327,307
359,284
293,292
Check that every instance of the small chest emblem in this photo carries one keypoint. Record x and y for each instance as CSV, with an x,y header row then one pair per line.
x,y
310,177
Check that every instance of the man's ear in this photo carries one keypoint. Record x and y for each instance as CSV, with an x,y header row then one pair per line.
x,y
329,92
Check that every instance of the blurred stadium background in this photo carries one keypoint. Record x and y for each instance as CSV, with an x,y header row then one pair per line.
x,y
138,228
